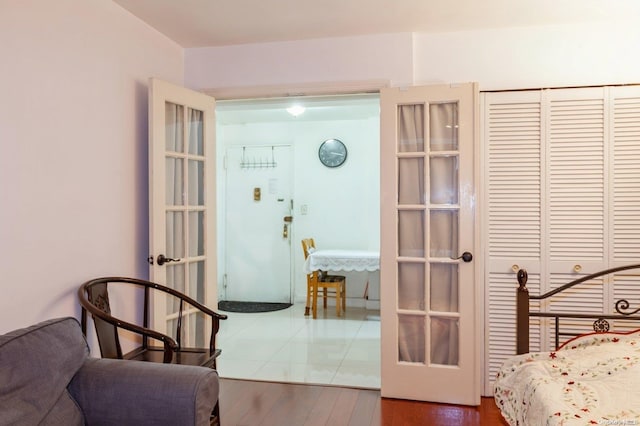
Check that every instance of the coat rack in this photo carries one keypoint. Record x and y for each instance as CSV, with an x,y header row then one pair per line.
x,y
261,163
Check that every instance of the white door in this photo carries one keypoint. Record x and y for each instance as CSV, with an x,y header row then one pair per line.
x,y
182,210
258,224
430,331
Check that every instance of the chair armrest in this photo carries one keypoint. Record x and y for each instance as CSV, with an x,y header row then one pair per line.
x,y
121,392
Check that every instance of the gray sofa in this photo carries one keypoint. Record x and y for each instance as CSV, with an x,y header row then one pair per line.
x,y
48,378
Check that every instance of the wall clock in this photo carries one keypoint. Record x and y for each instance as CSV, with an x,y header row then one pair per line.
x,y
332,153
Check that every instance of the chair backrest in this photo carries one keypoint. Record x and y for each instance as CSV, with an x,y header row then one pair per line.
x,y
94,299
106,332
308,245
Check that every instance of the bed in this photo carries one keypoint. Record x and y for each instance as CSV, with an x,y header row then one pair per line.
x,y
586,379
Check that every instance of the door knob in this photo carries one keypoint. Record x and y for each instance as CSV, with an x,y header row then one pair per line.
x,y
162,259
288,219
466,257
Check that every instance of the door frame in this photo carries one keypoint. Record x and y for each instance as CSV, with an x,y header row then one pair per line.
x,y
375,86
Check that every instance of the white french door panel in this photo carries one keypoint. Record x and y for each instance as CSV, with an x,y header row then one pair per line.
x,y
258,233
182,207
430,330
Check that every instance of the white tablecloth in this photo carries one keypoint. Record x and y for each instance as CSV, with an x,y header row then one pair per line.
x,y
342,260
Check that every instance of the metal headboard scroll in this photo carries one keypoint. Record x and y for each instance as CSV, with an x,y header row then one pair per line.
x,y
622,305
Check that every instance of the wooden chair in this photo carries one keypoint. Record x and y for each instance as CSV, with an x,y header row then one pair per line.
x,y
94,298
335,285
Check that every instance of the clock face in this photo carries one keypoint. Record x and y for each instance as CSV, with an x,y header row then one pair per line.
x,y
332,153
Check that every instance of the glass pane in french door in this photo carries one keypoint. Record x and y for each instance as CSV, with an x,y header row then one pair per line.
x,y
443,238
428,233
412,238
185,215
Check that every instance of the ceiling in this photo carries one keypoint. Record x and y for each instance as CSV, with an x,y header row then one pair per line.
x,y
200,23
317,108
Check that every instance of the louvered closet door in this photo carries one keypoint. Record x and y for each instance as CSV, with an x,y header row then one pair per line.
x,y
512,131
562,177
577,179
625,187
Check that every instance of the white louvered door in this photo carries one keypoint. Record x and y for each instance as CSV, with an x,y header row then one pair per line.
x,y
577,171
512,131
624,130
562,178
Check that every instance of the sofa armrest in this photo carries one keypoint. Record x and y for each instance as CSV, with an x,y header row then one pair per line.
x,y
121,392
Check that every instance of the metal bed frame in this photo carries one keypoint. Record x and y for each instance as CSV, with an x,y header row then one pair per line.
x,y
600,324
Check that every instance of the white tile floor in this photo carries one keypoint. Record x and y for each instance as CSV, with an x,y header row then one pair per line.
x,y
286,346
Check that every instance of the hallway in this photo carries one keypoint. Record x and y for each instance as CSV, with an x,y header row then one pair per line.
x,y
286,346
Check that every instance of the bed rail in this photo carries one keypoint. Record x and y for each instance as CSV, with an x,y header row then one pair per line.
x,y
523,315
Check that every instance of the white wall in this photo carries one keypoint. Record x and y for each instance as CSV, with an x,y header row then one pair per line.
x,y
511,58
73,149
364,58
532,57
343,204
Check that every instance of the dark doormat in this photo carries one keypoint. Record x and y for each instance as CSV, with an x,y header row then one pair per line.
x,y
250,307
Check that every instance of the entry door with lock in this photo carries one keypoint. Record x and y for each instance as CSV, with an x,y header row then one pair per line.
x,y
258,221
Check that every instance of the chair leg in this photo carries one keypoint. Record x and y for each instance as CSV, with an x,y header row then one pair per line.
x,y
324,300
344,298
214,420
308,305
314,303
338,300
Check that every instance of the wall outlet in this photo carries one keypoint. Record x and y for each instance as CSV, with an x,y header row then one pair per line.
x,y
303,209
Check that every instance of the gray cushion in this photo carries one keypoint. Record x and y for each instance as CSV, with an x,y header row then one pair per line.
x,y
134,393
36,365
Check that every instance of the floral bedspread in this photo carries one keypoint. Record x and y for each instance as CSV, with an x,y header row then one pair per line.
x,y
592,380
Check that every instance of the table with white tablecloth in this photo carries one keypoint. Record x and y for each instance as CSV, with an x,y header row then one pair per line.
x,y
348,261
342,260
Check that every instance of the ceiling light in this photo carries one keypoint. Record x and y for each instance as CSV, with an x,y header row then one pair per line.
x,y
295,110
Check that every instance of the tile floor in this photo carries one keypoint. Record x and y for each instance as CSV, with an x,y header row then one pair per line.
x,y
286,346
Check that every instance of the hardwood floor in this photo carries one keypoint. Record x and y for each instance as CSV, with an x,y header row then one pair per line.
x,y
249,403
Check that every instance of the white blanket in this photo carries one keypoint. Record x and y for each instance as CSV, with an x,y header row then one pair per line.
x,y
592,380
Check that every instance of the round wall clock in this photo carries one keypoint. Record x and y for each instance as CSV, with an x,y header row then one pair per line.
x,y
332,153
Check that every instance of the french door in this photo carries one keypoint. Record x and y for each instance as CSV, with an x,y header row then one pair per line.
x,y
430,331
182,220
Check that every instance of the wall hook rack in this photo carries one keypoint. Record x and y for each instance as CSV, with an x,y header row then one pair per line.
x,y
261,163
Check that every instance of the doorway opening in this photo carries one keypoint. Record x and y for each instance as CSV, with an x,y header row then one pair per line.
x,y
273,191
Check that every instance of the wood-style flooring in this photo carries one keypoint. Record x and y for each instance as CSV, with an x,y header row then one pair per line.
x,y
250,403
